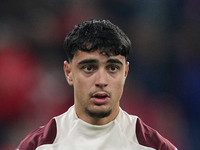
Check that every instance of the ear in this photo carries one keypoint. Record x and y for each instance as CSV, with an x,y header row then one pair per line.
x,y
126,70
68,73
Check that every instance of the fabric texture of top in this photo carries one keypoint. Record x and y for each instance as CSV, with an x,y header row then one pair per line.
x,y
68,132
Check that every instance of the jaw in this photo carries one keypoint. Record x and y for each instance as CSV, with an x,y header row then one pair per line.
x,y
97,114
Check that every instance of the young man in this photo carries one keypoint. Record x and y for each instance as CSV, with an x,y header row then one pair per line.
x,y
97,70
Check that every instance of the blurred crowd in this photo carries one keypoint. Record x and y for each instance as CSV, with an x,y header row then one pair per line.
x,y
163,86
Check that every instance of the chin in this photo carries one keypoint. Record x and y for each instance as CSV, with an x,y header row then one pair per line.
x,y
98,114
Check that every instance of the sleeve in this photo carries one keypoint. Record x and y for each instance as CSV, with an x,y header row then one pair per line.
x,y
42,135
149,137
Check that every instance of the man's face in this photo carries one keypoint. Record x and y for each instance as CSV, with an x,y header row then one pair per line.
x,y
98,82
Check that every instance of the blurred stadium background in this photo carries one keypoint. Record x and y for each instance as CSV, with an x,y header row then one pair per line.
x,y
163,86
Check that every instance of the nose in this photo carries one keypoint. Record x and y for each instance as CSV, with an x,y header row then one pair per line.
x,y
101,79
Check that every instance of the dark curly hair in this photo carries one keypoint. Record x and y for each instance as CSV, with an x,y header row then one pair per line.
x,y
99,35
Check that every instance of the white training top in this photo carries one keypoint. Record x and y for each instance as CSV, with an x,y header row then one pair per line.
x,y
68,132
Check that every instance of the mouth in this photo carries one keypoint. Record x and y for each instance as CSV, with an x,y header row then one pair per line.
x,y
100,97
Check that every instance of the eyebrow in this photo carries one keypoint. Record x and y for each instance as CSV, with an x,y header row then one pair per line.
x,y
88,61
114,61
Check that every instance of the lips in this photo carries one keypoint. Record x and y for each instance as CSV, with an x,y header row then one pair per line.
x,y
100,97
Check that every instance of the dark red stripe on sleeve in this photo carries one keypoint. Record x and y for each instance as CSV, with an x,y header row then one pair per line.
x,y
151,138
43,135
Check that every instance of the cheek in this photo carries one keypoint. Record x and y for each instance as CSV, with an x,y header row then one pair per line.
x,y
79,92
118,87
78,85
81,86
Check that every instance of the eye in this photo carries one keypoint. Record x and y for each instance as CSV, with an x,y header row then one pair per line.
x,y
88,68
113,68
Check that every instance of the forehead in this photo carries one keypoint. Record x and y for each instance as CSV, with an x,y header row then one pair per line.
x,y
80,55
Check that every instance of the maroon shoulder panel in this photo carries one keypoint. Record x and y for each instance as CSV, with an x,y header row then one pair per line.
x,y
43,135
151,138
